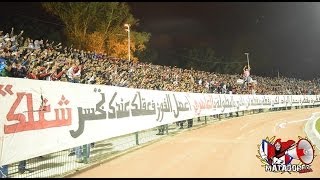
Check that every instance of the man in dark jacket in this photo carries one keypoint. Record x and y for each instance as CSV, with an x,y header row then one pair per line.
x,y
7,71
18,70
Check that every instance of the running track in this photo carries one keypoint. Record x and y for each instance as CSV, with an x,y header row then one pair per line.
x,y
222,149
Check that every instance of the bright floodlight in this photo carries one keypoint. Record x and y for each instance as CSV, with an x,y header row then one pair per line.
x,y
127,25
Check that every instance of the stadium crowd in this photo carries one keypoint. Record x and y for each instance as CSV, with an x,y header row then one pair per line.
x,y
22,57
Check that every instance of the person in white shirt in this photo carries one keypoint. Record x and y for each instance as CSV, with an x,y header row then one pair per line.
x,y
74,73
246,76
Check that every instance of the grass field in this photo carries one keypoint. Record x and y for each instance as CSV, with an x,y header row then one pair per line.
x,y
318,125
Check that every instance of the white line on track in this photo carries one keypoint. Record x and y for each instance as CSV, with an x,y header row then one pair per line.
x,y
284,124
244,126
250,132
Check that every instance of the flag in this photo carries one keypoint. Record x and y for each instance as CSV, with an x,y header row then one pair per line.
x,y
268,149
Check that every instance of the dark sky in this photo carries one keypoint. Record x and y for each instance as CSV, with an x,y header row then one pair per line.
x,y
277,35
282,35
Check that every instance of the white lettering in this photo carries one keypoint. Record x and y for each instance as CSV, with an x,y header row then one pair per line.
x,y
267,168
286,168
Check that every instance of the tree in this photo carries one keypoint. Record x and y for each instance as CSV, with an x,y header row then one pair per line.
x,y
149,56
96,42
205,59
118,44
96,26
201,58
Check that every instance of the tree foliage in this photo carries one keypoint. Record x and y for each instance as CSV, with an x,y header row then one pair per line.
x,y
150,55
99,26
205,59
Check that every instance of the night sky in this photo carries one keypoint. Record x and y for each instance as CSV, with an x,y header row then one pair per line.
x,y
284,36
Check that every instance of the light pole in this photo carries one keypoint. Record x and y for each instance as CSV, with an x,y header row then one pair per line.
x,y
128,30
247,54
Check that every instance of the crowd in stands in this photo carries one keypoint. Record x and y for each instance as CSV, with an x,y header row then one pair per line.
x,y
22,57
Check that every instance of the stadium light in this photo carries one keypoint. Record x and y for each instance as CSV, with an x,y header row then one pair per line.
x,y
128,30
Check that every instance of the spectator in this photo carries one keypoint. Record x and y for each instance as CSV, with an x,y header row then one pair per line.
x,y
190,123
57,73
74,73
246,75
161,130
43,60
7,71
18,70
229,88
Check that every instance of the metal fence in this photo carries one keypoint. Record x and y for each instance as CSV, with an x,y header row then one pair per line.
x,y
67,162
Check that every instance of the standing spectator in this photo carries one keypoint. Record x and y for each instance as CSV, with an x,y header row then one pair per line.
x,y
4,171
161,130
33,74
190,123
44,74
57,73
2,64
223,88
246,75
18,70
229,88
74,73
22,166
7,71
83,153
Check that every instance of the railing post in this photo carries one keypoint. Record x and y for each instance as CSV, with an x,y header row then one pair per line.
x,y
137,138
167,129
219,116
205,120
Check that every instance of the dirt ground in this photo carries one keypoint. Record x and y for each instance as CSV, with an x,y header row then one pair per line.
x,y
222,149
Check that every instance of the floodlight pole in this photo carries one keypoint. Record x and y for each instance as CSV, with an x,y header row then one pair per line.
x,y
247,54
128,30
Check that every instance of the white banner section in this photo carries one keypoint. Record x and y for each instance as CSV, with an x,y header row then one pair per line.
x,y
42,117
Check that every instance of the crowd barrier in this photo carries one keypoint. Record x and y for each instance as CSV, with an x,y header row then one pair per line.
x,y
42,117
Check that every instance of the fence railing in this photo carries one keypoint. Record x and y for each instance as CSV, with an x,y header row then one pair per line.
x,y
67,162
47,128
